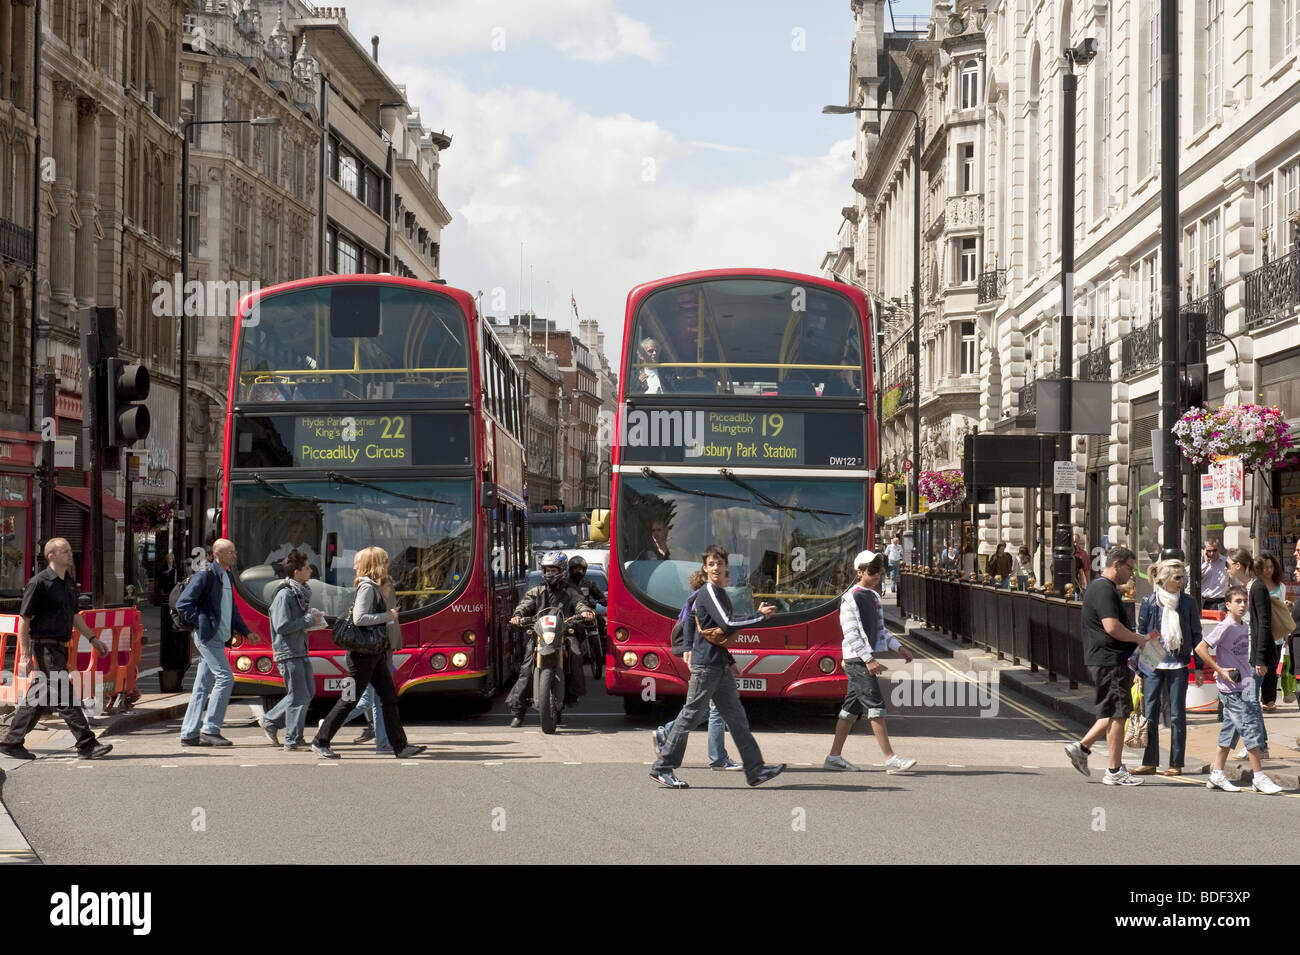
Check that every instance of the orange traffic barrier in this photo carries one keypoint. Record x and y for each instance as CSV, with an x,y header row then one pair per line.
x,y
117,673
13,688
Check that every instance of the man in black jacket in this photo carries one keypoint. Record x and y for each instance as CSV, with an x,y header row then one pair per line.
x,y
555,592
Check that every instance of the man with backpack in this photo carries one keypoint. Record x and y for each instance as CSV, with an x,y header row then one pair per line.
x,y
208,606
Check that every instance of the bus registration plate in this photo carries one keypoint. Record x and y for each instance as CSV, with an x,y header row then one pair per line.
x,y
747,684
339,685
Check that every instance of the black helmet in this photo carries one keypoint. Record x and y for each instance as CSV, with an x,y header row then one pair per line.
x,y
577,563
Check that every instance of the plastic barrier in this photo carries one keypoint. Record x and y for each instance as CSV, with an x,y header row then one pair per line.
x,y
1204,699
120,628
13,688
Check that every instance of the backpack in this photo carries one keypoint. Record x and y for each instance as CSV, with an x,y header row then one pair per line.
x,y
179,623
683,635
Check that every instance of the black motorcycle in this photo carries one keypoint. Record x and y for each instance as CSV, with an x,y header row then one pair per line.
x,y
550,648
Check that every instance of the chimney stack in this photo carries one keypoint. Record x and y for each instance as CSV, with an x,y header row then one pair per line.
x,y
374,46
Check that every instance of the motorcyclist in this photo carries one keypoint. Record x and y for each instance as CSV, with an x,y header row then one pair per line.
x,y
594,596
555,593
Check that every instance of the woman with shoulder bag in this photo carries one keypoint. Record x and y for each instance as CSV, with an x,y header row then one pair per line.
x,y
1281,623
1172,617
369,610
1259,615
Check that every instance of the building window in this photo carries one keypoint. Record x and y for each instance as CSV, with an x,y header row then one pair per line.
x,y
968,366
1264,212
1213,75
1290,194
191,108
374,191
966,260
349,172
1290,20
1101,161
1033,241
1212,247
192,219
1150,111
970,79
1191,262
967,167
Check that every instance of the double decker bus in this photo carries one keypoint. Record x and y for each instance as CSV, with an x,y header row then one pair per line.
x,y
376,410
745,419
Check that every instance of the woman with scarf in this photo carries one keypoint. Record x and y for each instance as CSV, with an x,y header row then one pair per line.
x,y
1171,615
291,618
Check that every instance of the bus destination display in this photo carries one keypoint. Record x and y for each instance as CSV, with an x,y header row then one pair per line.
x,y
735,438
353,439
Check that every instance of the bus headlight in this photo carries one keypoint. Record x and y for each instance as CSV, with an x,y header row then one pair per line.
x,y
459,658
621,634
629,659
826,665
236,641
438,661
469,636
264,665
650,661
243,664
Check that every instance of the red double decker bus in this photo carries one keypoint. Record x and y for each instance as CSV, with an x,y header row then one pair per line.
x,y
375,410
745,419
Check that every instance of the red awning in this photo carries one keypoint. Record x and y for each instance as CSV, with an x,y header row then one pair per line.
x,y
114,510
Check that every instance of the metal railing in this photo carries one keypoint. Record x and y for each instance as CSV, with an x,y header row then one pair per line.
x,y
16,243
1212,307
1034,628
1273,290
1140,349
992,285
1095,365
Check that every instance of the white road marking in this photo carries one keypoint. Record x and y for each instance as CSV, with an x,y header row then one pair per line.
x,y
567,763
492,764
956,765
170,766
248,765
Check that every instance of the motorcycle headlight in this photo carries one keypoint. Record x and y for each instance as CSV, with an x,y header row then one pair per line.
x,y
548,638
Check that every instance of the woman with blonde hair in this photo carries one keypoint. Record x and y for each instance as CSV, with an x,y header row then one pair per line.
x,y
368,610
1170,615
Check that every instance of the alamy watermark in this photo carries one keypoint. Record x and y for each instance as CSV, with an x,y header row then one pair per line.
x,y
944,688
62,689
207,299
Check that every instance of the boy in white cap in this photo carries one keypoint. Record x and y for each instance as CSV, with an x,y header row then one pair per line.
x,y
863,623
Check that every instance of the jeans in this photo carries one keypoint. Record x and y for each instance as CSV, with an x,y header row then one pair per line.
x,y
1152,693
367,669
893,577
52,661
214,677
368,706
290,713
1242,717
717,736
716,684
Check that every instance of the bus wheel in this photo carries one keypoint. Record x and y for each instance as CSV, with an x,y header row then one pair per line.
x,y
635,706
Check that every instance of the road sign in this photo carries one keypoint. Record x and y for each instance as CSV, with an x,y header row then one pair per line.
x,y
65,452
1065,477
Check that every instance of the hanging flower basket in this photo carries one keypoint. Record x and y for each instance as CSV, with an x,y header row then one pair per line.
x,y
1258,435
150,514
941,485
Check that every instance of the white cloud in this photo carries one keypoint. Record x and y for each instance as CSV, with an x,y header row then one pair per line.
x,y
531,166
588,30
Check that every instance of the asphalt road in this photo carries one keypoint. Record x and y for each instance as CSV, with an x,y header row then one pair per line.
x,y
987,789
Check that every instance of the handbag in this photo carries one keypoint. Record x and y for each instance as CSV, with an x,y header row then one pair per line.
x,y
1136,729
348,636
1282,623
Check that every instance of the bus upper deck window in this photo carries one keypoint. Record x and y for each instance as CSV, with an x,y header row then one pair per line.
x,y
354,311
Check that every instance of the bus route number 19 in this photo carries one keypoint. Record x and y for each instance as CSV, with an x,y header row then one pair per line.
x,y
772,425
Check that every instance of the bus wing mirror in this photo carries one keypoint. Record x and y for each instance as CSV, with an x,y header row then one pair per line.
x,y
488,496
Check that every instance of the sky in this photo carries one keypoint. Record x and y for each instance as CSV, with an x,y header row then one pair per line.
x,y
621,141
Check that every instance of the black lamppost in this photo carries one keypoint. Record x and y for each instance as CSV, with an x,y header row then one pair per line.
x,y
180,546
915,346
1063,546
1169,231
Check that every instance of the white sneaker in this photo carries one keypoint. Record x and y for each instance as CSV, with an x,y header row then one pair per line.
x,y
1220,781
1121,777
896,764
1262,784
839,763
1242,753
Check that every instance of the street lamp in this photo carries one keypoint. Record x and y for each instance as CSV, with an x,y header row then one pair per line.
x,y
1063,546
916,283
181,545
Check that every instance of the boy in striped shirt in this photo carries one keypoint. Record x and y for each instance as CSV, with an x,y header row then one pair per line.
x,y
863,623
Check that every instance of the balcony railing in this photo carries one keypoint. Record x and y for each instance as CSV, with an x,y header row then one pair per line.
x,y
1095,365
1212,307
15,242
1273,290
1140,349
1028,393
992,285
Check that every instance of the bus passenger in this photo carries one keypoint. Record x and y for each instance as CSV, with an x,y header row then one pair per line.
x,y
297,541
658,549
652,381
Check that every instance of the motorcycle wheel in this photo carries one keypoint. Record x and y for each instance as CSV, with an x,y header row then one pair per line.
x,y
597,664
544,696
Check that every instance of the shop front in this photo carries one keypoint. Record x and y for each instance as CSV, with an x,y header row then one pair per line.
x,y
17,477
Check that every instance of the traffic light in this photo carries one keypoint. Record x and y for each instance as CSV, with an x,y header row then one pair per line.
x,y
1195,380
127,423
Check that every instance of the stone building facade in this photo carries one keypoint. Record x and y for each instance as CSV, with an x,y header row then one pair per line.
x,y
1239,196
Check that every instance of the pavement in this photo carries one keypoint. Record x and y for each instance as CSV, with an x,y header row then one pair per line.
x,y
1283,725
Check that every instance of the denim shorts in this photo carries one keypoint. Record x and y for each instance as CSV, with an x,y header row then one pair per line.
x,y
864,696
1244,717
